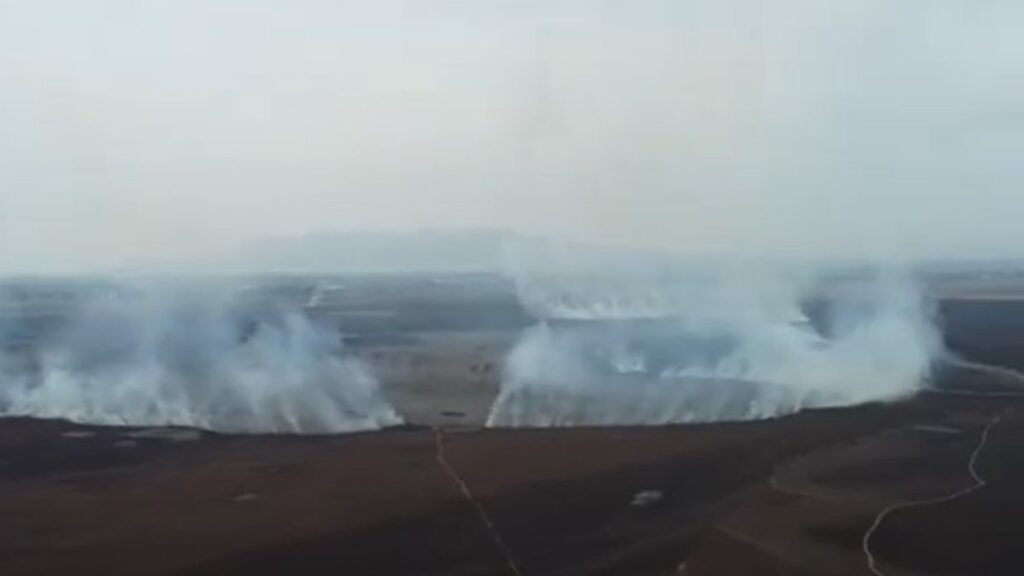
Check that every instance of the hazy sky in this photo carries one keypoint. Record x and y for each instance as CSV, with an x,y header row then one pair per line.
x,y
180,128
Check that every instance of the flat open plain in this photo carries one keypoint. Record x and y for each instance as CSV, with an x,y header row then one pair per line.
x,y
796,495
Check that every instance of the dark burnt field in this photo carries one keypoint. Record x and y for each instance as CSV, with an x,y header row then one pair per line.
x,y
85,500
81,500
795,495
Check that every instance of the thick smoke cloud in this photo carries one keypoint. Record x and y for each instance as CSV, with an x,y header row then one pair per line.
x,y
206,359
710,344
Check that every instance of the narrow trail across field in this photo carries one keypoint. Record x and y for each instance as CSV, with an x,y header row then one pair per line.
x,y
978,484
485,519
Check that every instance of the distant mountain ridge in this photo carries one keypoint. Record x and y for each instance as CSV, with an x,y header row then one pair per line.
x,y
486,250
380,252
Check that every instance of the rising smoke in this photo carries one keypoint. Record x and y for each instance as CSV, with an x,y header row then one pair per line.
x,y
710,344
146,356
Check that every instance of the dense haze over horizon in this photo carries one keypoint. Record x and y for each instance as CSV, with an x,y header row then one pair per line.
x,y
180,131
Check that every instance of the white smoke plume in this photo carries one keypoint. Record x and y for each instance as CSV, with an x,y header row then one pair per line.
x,y
184,357
710,343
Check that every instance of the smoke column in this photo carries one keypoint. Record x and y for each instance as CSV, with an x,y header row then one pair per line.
x,y
185,357
710,343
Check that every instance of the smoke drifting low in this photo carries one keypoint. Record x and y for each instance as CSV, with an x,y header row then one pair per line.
x,y
710,345
184,357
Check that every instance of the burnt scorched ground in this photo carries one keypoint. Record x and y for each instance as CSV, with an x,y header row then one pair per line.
x,y
79,500
98,501
814,514
788,497
977,534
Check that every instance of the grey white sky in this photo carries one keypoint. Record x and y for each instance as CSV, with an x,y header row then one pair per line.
x,y
175,129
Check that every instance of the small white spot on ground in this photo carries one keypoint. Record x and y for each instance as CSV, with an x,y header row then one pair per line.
x,y
646,498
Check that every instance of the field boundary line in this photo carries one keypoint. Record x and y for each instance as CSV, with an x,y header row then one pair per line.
x,y
485,519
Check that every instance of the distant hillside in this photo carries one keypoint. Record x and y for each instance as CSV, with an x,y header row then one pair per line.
x,y
380,252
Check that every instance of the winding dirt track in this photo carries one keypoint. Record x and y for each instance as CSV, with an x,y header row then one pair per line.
x,y
978,484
